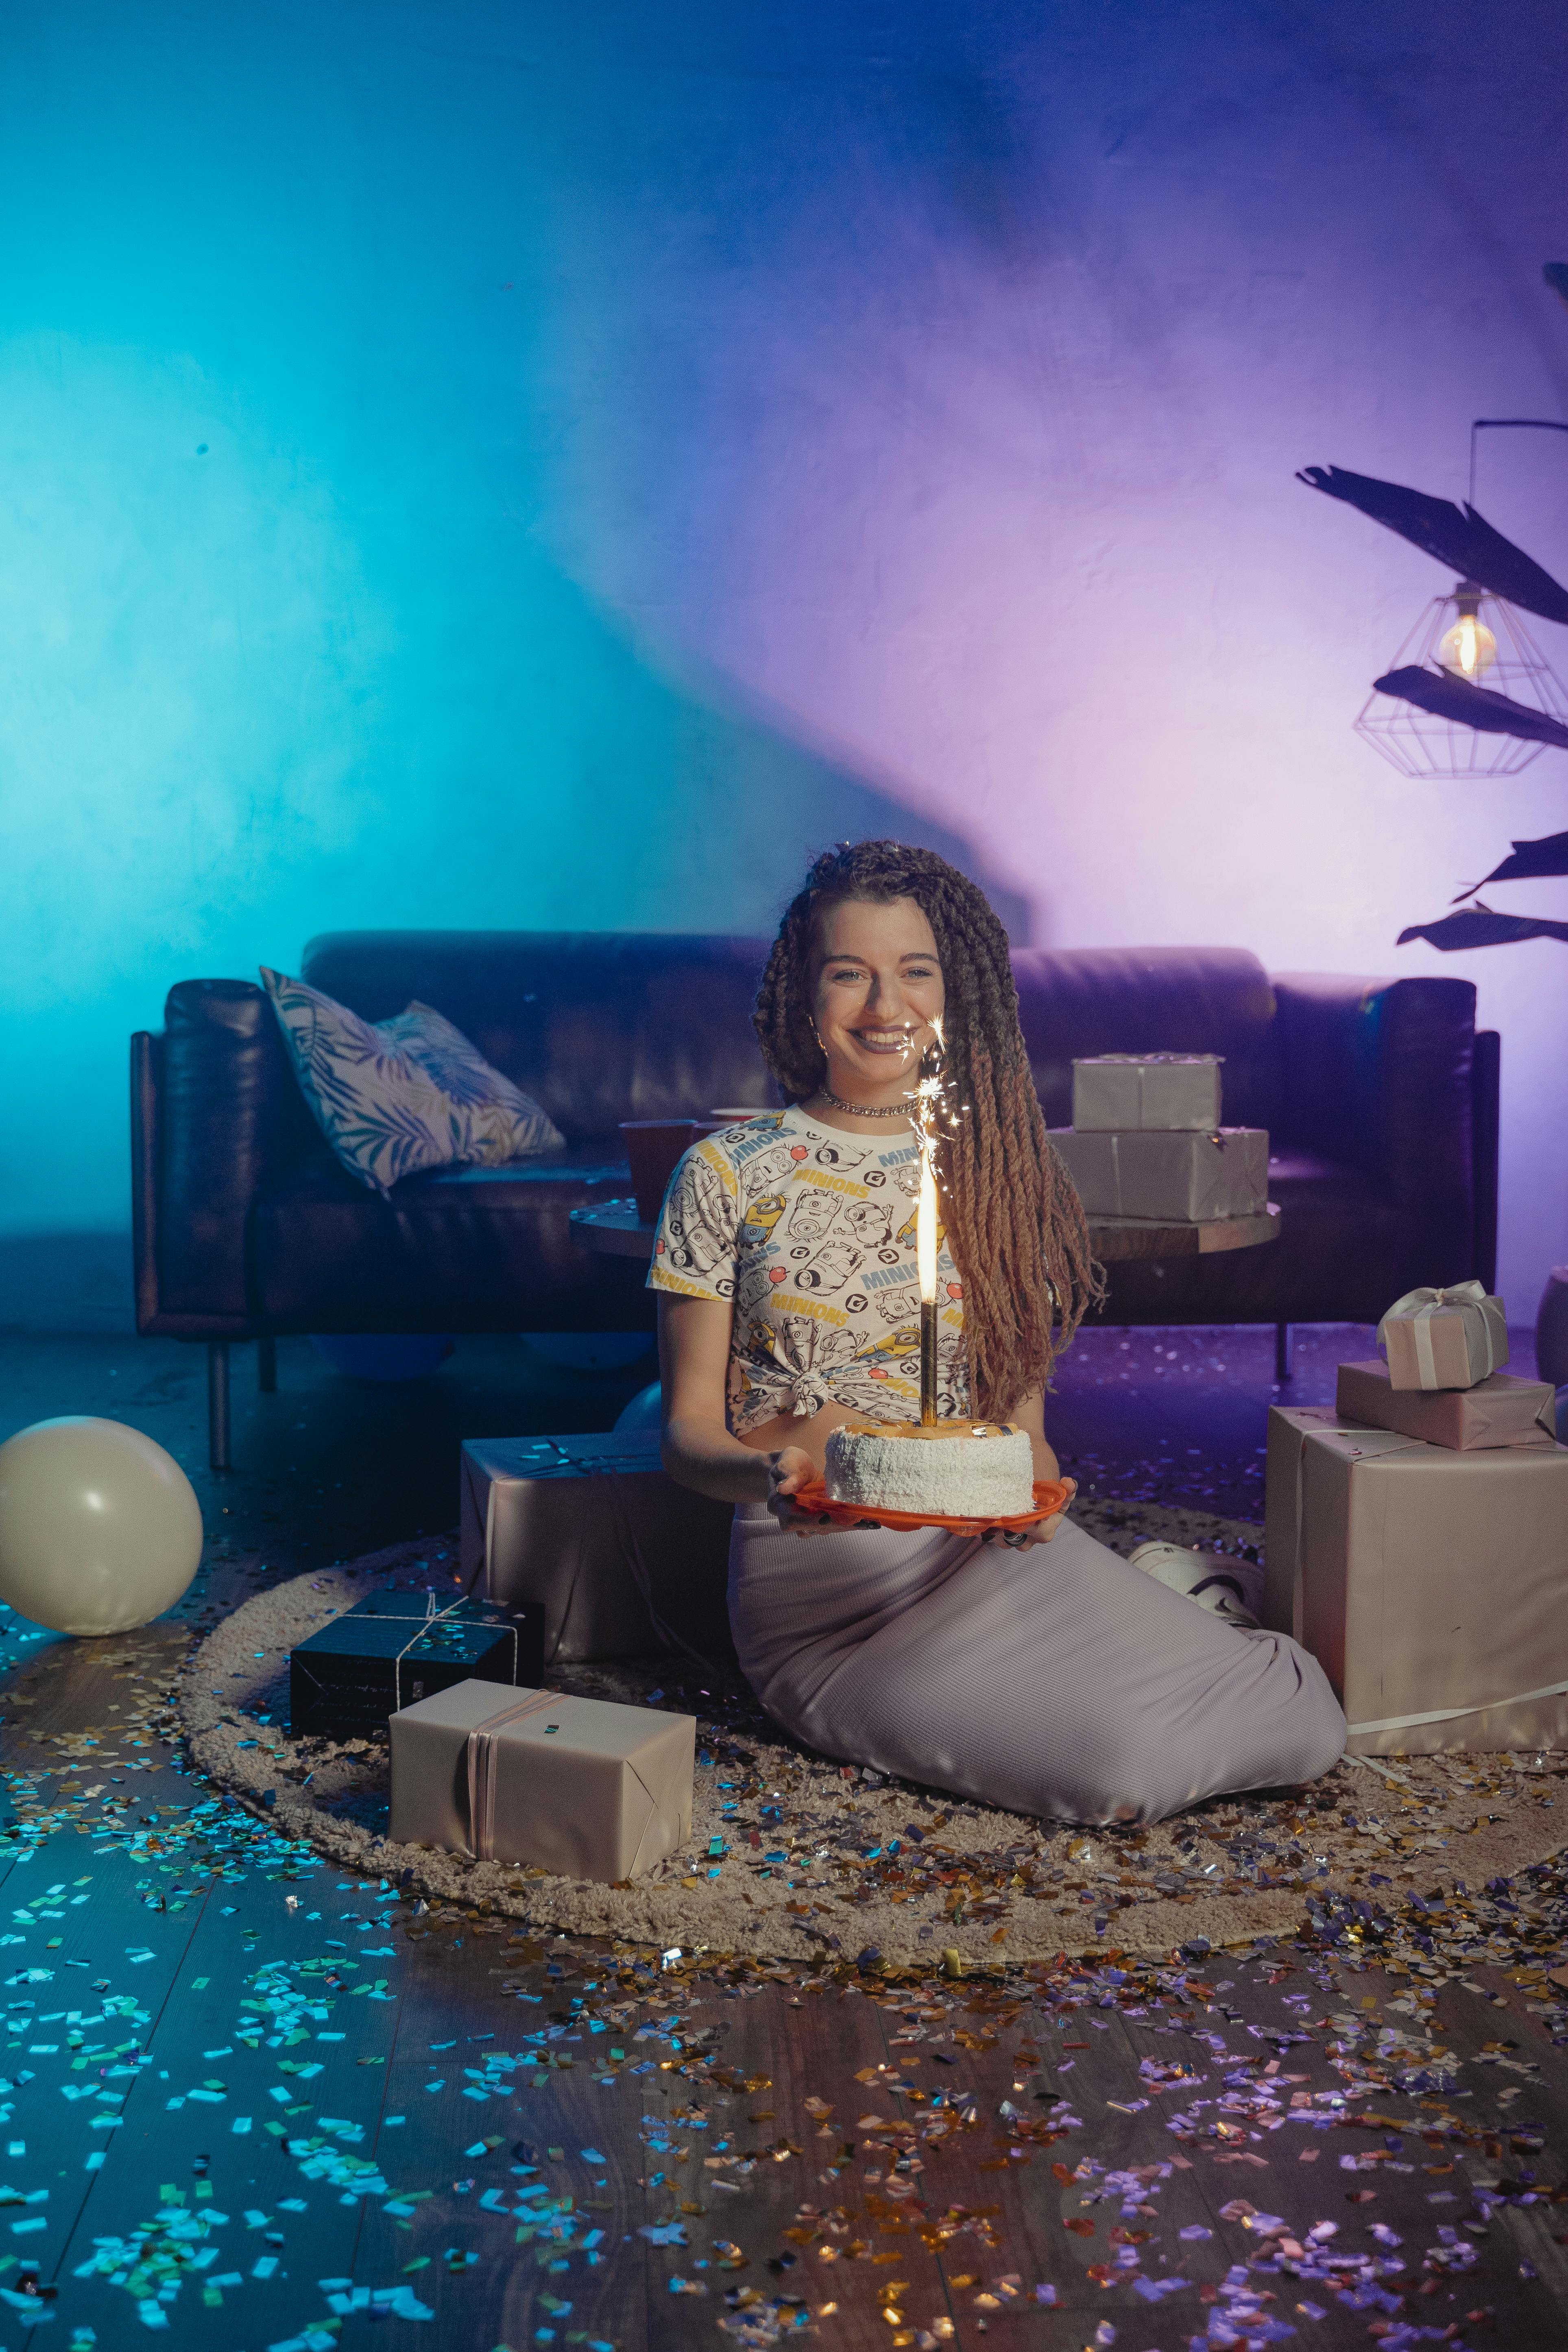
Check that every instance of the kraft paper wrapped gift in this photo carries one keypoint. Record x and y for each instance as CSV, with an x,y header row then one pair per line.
x,y
1501,1410
621,1559
1172,1177
1146,1090
394,1647
1444,1338
1432,1586
579,1786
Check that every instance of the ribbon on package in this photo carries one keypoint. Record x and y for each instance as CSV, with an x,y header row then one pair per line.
x,y
1468,1299
484,1744
1453,1714
427,1624
482,1760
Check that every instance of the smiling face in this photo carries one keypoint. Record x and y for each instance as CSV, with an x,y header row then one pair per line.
x,y
876,988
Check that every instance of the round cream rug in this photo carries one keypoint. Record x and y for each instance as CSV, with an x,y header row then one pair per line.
x,y
793,1853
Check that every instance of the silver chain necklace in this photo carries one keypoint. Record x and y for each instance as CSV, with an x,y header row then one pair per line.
x,y
860,1110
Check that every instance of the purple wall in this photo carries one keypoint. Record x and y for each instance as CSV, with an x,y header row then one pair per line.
x,y
940,375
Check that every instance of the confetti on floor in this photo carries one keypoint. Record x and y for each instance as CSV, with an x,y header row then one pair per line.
x,y
254,2099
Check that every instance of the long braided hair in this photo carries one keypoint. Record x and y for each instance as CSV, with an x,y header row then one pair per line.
x,y
1014,1224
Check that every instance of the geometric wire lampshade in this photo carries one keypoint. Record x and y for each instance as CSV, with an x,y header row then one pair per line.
x,y
1418,742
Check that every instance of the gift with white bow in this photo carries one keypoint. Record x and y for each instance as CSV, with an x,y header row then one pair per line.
x,y
1444,1338
392,1648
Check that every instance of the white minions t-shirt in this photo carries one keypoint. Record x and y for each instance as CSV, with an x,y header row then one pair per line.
x,y
810,1232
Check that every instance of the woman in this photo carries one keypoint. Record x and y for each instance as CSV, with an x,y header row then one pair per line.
x,y
1072,1685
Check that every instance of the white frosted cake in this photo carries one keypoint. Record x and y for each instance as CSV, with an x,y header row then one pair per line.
x,y
953,1470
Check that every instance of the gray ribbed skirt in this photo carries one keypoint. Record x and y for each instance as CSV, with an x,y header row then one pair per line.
x,y
1059,1680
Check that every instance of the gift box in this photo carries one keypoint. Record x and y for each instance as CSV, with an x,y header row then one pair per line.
x,y
1430,1584
1501,1410
591,1529
579,1786
393,1649
1444,1338
1146,1090
1171,1176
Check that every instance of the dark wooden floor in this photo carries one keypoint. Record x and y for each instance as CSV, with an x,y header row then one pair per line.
x,y
333,2129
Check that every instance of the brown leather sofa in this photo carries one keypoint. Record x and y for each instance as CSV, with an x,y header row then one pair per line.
x,y
1380,1097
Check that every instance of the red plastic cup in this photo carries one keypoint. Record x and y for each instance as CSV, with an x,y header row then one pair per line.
x,y
653,1146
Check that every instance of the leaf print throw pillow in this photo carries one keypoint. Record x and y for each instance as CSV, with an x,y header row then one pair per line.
x,y
393,1097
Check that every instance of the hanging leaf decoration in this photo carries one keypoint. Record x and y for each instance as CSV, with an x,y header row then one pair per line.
x,y
1479,926
1458,537
1461,539
1530,860
1444,697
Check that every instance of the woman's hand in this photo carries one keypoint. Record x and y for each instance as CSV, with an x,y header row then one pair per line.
x,y
1022,1538
789,1470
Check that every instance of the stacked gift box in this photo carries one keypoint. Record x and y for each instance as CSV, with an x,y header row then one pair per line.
x,y
392,1649
583,1788
1147,1142
593,1532
1417,1537
484,1762
583,1547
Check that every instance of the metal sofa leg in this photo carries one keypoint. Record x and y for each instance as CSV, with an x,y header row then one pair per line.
x,y
217,1404
1282,1352
266,1366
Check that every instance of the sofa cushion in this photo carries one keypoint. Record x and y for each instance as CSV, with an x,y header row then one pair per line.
x,y
472,1249
598,1027
402,1095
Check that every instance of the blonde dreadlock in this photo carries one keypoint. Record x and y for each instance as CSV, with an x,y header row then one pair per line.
x,y
1014,1224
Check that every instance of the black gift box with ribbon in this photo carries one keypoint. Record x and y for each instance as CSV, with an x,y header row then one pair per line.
x,y
393,1648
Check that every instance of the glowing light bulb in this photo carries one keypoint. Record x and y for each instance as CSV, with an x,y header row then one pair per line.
x,y
1468,650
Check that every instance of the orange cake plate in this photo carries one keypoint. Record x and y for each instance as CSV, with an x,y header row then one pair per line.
x,y
1051,1494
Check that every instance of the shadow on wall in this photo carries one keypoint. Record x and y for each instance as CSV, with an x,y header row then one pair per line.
x,y
381,724
676,799
708,818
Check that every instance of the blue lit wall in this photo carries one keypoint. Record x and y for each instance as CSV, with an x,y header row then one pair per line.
x,y
559,465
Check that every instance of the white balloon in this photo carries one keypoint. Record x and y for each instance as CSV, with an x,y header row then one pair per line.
x,y
100,1528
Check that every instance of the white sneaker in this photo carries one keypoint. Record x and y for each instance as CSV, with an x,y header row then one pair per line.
x,y
1226,1588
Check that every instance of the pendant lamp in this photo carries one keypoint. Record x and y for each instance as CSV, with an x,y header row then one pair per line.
x,y
1482,640
1471,647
